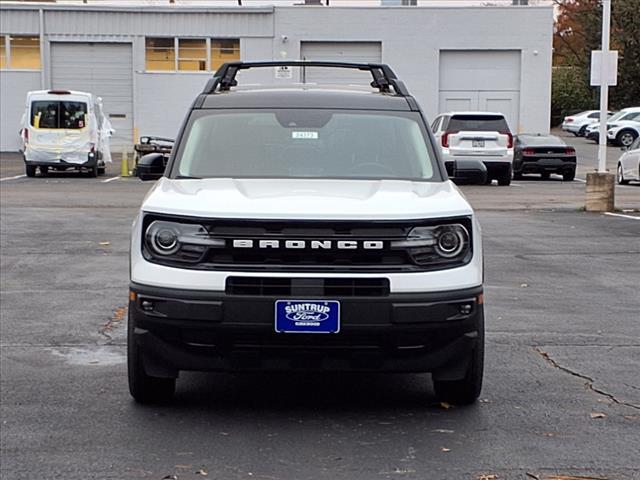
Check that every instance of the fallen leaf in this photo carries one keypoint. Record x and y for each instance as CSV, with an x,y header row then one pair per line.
x,y
488,476
597,415
443,449
533,475
445,405
105,244
442,430
170,477
524,285
202,472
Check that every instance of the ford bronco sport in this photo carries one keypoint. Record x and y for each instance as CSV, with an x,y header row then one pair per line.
x,y
305,228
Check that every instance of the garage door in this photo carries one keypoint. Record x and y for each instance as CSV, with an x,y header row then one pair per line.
x,y
104,69
481,80
358,52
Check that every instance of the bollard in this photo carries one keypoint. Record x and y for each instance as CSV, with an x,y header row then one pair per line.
x,y
600,192
125,163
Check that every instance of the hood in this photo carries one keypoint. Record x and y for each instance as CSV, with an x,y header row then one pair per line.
x,y
311,199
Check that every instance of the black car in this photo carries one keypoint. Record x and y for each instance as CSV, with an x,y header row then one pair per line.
x,y
543,154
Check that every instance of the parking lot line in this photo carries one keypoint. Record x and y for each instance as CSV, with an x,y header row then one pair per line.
x,y
580,180
621,215
12,178
110,179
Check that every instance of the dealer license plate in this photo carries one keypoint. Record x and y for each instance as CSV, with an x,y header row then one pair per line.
x,y
307,316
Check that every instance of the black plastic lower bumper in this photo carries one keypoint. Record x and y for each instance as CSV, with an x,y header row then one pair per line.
x,y
550,165
191,330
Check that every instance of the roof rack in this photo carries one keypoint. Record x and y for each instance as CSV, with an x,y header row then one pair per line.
x,y
383,77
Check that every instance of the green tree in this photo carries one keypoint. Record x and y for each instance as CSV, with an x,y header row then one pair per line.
x,y
578,32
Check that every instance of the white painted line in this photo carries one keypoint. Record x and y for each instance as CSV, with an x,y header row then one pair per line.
x,y
580,180
622,216
110,179
11,178
516,184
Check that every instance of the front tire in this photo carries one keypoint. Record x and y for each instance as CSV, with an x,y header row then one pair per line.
x,y
467,390
620,175
545,175
144,388
569,175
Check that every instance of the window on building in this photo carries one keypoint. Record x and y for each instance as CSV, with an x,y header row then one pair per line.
x,y
3,52
192,54
224,50
160,54
20,52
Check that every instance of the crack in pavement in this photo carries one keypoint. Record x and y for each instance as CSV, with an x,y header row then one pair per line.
x,y
590,381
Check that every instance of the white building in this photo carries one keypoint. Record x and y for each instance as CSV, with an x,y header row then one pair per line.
x,y
148,63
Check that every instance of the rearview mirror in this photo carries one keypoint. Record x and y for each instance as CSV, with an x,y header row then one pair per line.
x,y
151,166
469,172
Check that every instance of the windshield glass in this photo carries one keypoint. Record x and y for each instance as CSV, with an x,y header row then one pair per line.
x,y
297,143
58,115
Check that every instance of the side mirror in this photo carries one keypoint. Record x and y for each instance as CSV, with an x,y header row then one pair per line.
x,y
151,166
469,172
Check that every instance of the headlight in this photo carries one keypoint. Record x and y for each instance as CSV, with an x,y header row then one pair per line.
x,y
179,241
436,245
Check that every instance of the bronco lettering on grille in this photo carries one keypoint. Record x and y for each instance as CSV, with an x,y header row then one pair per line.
x,y
312,244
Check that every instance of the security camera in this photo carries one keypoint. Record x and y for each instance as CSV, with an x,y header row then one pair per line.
x,y
284,38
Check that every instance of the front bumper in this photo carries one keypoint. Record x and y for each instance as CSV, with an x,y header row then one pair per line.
x,y
195,330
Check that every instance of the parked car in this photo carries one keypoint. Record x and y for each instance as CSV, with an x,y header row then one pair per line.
x,y
623,133
578,123
626,114
629,163
476,135
326,236
544,155
62,130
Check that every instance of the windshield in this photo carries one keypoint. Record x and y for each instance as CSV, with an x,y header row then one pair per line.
x,y
296,143
58,115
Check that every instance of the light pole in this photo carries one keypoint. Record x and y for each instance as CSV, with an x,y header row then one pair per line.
x,y
604,86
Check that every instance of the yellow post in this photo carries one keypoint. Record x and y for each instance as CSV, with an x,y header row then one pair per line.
x,y
125,163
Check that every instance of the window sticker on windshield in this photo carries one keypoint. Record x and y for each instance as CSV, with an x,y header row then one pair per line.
x,y
304,135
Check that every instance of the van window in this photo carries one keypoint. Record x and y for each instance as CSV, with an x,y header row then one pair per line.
x,y
58,115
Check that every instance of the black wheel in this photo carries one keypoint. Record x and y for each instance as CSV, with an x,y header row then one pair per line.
x,y
620,176
102,170
30,170
569,175
504,179
467,390
93,171
44,171
626,137
144,388
582,131
488,180
545,175
517,175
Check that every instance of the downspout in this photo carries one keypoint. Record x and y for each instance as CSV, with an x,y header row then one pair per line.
x,y
42,55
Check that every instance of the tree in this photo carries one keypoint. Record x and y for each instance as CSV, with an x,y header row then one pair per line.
x,y
578,32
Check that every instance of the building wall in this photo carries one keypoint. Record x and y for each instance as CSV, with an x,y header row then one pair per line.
x,y
412,39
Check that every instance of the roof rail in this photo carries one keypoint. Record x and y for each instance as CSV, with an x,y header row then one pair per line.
x,y
383,77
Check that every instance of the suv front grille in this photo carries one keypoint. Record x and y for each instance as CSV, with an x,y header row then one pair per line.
x,y
347,246
308,287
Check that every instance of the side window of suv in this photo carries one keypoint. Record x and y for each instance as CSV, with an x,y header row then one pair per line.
x,y
631,116
436,124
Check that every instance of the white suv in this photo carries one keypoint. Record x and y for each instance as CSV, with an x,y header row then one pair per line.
x,y
482,136
305,228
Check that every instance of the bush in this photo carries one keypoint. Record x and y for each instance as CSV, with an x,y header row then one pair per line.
x,y
570,93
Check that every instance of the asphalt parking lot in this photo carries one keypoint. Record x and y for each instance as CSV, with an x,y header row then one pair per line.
x,y
561,394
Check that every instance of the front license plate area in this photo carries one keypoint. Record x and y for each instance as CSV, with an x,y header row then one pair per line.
x,y
307,316
477,143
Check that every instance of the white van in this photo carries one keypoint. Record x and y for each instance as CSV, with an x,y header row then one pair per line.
x,y
64,130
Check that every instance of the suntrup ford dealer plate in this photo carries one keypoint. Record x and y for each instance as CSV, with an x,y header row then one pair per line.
x,y
307,316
